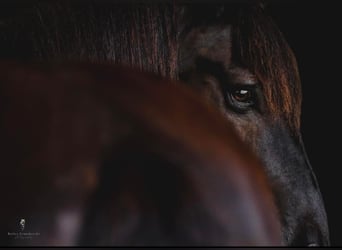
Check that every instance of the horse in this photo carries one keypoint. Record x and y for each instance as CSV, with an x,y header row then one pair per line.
x,y
242,63
99,155
233,53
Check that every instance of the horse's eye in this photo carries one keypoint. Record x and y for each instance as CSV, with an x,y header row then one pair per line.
x,y
241,99
242,95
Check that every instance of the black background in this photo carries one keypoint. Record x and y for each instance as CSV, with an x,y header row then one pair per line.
x,y
313,30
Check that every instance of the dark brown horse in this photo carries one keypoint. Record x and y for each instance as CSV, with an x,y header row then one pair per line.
x,y
232,53
241,62
103,155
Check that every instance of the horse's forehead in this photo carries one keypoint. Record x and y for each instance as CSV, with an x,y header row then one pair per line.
x,y
213,43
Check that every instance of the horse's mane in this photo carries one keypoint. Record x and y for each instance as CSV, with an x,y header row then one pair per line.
x,y
131,33
146,36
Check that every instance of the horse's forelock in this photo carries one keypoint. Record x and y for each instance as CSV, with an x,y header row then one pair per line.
x,y
259,45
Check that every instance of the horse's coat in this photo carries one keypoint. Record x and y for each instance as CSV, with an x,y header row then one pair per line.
x,y
103,155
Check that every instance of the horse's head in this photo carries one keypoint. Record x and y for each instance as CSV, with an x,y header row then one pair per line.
x,y
102,155
236,56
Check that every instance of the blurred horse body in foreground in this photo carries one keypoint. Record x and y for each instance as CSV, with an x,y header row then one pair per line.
x,y
105,155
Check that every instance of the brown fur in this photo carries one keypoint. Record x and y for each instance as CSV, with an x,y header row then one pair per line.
x,y
59,124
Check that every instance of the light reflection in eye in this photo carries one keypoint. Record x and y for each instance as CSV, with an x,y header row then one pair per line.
x,y
242,95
